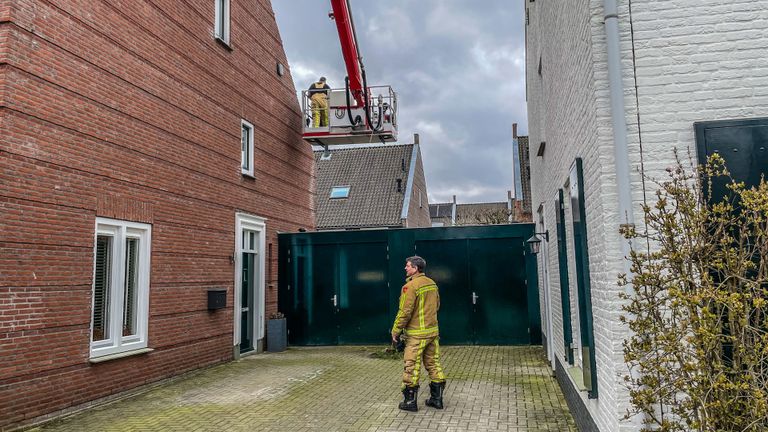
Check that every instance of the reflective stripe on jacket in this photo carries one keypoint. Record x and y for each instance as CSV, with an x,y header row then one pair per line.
x,y
419,303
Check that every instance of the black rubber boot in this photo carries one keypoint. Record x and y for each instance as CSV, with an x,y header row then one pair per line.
x,y
436,395
410,395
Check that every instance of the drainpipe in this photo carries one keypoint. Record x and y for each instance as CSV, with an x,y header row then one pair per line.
x,y
619,122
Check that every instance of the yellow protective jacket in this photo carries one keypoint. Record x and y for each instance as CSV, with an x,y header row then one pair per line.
x,y
419,303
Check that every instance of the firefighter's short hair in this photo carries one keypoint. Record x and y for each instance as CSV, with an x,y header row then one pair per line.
x,y
417,262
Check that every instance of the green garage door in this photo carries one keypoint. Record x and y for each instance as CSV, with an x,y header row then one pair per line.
x,y
447,266
343,287
483,298
340,294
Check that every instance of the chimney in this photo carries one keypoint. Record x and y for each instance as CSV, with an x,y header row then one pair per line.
x,y
514,130
453,211
415,138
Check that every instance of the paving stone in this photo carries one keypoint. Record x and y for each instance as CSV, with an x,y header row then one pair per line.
x,y
328,389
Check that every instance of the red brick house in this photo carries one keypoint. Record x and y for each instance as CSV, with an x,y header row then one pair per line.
x,y
149,153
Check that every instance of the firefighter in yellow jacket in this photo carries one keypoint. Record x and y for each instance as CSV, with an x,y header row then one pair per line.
x,y
318,96
417,320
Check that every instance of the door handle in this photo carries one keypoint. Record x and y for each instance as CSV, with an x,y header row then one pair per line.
x,y
334,300
474,298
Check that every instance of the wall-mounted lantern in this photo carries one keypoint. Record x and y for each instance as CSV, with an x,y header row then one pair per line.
x,y
534,243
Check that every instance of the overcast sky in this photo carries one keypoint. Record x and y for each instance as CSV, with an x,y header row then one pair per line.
x,y
458,68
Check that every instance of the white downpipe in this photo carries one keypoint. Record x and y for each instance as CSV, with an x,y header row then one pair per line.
x,y
619,123
618,118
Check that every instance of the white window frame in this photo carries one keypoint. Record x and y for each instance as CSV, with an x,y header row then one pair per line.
x,y
246,157
222,20
348,189
120,231
244,221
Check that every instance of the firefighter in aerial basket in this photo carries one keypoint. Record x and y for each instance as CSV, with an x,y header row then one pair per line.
x,y
416,320
318,96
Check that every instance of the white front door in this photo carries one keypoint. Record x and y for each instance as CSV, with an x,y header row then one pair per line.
x,y
249,305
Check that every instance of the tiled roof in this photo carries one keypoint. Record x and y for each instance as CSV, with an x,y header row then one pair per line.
x,y
473,214
371,173
440,210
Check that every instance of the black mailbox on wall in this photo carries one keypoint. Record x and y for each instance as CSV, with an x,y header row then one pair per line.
x,y
217,299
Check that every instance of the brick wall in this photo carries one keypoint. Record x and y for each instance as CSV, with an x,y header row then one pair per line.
x,y
694,61
133,113
525,174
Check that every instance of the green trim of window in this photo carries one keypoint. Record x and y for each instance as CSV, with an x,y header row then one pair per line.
x,y
581,253
565,289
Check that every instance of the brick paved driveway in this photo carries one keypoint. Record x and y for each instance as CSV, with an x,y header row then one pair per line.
x,y
343,389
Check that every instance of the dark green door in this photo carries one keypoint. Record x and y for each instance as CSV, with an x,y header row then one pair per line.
x,y
321,325
362,293
246,301
447,266
499,292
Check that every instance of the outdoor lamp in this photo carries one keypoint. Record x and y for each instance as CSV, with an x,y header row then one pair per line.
x,y
534,243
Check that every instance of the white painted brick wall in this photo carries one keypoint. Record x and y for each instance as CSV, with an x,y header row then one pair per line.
x,y
696,60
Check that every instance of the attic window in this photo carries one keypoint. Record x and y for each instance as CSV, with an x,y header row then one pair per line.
x,y
340,192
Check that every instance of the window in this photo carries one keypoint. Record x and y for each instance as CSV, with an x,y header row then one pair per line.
x,y
120,316
222,21
340,192
246,146
583,284
565,295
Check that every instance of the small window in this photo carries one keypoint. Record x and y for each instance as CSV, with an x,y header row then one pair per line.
x,y
246,146
340,192
222,20
119,318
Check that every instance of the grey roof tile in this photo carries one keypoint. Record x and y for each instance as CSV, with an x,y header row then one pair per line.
x,y
371,173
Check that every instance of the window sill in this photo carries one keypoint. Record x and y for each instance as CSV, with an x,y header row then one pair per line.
x,y
249,176
224,43
577,376
116,356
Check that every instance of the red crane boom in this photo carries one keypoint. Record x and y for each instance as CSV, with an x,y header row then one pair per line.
x,y
352,58
357,113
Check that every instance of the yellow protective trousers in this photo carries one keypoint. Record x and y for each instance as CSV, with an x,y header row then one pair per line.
x,y
319,110
425,350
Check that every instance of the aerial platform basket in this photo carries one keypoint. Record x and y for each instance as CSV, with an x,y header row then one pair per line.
x,y
351,123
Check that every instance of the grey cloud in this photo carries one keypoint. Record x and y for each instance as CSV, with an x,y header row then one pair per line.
x,y
457,66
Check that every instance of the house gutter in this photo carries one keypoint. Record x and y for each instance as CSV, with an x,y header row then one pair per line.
x,y
619,122
409,183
